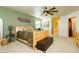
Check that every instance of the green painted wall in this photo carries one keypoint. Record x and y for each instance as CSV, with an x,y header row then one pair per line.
x,y
9,17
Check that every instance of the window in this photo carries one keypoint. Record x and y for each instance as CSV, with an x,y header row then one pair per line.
x,y
38,24
1,28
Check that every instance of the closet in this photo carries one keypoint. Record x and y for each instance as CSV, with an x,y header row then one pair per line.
x,y
55,26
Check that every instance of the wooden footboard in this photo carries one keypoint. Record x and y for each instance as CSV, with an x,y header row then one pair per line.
x,y
38,35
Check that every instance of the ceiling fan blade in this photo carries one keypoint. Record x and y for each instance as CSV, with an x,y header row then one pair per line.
x,y
50,13
54,11
43,12
52,8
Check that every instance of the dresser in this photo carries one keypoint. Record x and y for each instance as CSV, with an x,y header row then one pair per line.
x,y
77,39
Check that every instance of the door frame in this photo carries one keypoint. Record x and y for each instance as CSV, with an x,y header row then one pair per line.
x,y
74,17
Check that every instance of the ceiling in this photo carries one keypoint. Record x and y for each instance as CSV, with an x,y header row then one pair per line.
x,y
32,10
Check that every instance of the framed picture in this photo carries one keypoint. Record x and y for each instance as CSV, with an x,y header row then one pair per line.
x,y
25,20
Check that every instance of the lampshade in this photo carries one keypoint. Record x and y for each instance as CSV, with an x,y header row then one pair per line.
x,y
10,27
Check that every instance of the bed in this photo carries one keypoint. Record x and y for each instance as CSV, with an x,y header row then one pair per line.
x,y
30,36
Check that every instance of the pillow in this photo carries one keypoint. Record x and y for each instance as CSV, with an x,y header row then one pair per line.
x,y
28,28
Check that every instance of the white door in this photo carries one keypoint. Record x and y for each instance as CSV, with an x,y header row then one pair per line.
x,y
1,28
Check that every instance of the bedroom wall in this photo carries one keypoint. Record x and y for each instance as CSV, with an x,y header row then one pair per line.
x,y
63,26
9,17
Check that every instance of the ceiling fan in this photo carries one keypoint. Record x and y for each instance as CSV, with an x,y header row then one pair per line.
x,y
49,11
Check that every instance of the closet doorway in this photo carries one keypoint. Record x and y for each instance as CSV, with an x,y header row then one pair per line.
x,y
72,26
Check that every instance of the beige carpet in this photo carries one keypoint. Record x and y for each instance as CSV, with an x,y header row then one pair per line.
x,y
60,45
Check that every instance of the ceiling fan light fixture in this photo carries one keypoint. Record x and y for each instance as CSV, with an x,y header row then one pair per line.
x,y
50,11
46,14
